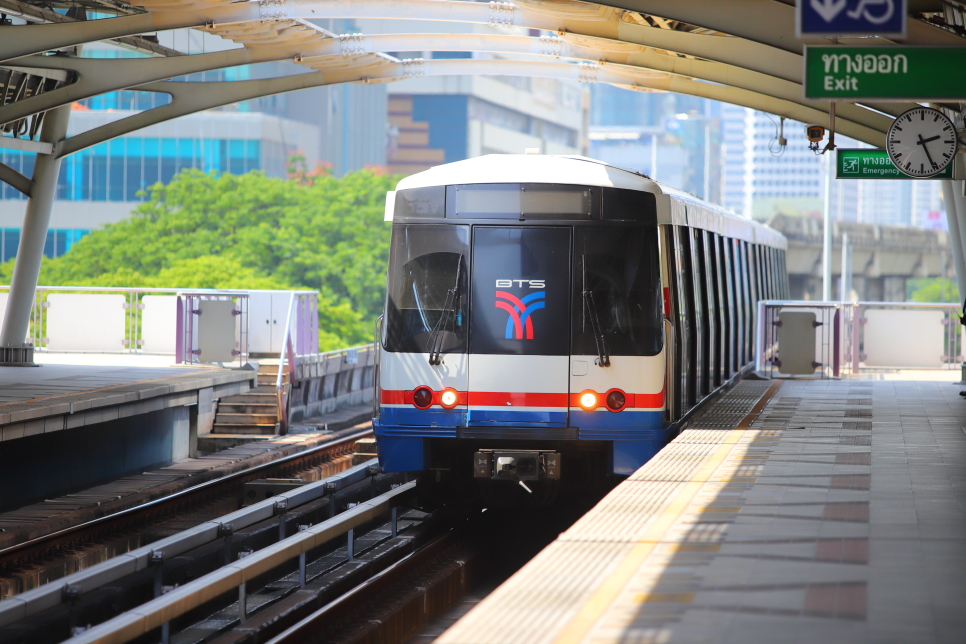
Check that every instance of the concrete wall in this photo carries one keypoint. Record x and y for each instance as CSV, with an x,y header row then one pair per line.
x,y
48,465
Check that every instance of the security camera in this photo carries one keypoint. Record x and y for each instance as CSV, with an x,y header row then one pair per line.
x,y
815,134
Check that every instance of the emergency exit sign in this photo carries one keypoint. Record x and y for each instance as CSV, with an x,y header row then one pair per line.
x,y
871,163
896,73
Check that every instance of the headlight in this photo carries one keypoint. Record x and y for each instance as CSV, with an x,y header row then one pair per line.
x,y
448,398
423,397
588,401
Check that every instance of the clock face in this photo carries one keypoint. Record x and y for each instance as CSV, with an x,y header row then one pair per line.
x,y
921,142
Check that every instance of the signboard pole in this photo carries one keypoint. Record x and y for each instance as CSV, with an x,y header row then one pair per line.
x,y
827,233
955,241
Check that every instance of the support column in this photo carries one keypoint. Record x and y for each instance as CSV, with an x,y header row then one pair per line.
x,y
33,236
960,200
955,236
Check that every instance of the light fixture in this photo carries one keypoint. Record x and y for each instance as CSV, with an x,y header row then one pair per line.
x,y
588,400
448,398
615,400
423,397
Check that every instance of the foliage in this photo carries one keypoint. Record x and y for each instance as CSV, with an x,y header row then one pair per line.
x,y
250,231
931,289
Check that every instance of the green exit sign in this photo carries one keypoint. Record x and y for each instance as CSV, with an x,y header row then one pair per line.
x,y
896,73
874,164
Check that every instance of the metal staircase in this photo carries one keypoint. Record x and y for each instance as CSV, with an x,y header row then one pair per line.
x,y
255,412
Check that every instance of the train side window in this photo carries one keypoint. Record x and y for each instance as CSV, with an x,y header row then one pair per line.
x,y
426,263
618,268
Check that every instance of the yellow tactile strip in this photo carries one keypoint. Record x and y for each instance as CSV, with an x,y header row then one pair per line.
x,y
562,593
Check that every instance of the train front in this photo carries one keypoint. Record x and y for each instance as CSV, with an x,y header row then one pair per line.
x,y
522,338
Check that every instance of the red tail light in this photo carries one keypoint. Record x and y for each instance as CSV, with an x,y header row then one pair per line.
x,y
615,400
423,397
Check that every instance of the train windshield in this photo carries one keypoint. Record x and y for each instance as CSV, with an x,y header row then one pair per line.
x,y
616,298
427,302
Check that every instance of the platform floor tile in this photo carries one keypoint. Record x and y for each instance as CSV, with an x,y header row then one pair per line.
x,y
836,515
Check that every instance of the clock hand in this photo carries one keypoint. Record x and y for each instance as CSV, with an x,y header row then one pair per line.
x,y
923,142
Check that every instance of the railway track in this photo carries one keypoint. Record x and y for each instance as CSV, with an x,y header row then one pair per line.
x,y
128,529
345,559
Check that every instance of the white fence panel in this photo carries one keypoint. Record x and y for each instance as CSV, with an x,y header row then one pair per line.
x,y
86,322
159,323
904,338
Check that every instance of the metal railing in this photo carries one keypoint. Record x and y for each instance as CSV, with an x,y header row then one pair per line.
x,y
235,576
832,339
146,321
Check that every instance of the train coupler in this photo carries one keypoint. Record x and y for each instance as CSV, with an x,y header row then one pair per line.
x,y
516,465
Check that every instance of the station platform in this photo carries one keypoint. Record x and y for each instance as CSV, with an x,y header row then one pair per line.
x,y
74,390
794,511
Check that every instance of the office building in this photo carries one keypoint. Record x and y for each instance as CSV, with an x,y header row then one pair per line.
x,y
343,128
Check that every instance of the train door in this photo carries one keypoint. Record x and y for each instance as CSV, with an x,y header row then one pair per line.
x,y
677,313
616,331
701,324
685,323
717,307
520,333
741,292
726,278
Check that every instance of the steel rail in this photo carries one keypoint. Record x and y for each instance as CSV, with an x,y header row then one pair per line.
x,y
158,505
179,601
304,629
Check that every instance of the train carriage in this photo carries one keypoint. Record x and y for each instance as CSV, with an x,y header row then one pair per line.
x,y
552,316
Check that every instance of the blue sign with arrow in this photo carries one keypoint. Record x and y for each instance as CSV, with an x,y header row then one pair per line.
x,y
825,18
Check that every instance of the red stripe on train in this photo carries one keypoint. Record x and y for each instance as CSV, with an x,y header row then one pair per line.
x,y
523,399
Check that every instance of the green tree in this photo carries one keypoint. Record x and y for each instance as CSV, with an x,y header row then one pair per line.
x,y
932,289
249,231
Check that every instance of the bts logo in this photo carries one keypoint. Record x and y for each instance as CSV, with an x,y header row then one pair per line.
x,y
520,283
520,310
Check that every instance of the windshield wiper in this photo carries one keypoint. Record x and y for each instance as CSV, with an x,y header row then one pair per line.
x,y
435,343
603,357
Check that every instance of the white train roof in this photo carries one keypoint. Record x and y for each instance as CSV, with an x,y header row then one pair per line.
x,y
677,207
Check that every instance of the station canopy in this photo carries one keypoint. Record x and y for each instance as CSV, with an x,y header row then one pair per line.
x,y
738,51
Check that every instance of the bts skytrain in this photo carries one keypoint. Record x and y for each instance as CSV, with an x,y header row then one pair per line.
x,y
554,316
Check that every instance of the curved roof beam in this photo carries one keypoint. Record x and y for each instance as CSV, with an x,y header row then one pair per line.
x,y
572,20
127,73
188,98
